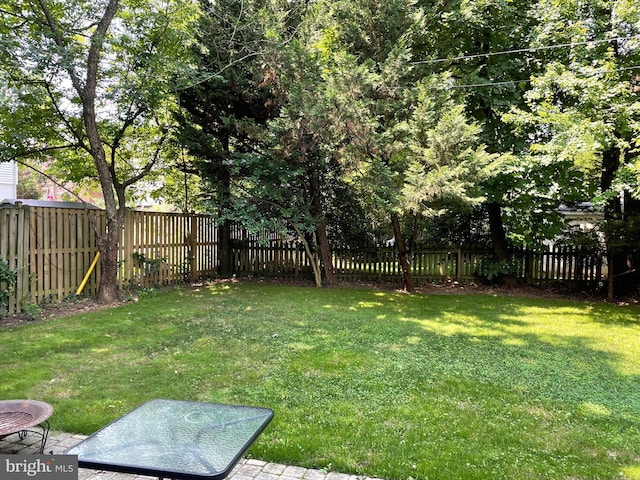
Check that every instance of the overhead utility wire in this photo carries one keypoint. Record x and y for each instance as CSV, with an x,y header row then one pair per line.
x,y
528,80
524,50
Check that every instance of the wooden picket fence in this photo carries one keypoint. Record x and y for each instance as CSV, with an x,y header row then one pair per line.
x,y
557,264
52,251
380,263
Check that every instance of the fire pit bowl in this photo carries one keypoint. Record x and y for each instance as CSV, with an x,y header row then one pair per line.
x,y
18,416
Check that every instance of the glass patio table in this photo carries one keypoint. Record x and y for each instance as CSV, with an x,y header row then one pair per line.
x,y
175,439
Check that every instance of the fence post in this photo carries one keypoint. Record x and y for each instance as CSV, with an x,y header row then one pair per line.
x,y
22,259
528,267
193,249
459,265
127,247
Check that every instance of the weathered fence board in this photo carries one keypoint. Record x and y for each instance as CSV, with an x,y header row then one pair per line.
x,y
14,235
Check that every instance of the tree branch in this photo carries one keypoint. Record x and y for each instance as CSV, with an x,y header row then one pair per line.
x,y
52,179
147,168
58,38
39,151
77,135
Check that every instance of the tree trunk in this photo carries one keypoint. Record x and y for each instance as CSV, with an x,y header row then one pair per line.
x,y
313,259
499,241
610,274
402,254
225,267
321,231
108,241
325,253
612,212
86,89
496,229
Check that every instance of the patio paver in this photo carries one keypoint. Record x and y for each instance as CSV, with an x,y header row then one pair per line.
x,y
246,469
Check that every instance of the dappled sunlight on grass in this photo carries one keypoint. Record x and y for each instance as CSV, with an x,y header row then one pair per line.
x,y
373,383
451,323
370,304
299,346
571,330
594,410
632,472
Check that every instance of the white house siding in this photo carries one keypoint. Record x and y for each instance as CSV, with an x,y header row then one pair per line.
x,y
8,180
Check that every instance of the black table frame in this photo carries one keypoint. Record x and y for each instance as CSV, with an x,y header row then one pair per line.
x,y
167,473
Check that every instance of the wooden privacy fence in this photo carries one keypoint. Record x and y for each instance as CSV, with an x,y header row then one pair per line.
x,y
52,249
164,248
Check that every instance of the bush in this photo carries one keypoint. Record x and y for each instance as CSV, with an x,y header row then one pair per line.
x,y
7,282
492,270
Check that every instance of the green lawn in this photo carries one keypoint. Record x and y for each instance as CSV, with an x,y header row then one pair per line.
x,y
361,381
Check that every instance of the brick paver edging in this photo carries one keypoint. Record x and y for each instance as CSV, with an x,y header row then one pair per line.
x,y
246,469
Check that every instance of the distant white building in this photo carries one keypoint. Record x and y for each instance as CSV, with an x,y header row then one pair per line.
x,y
583,215
8,180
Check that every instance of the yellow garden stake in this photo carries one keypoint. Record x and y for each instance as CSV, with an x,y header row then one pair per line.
x,y
89,272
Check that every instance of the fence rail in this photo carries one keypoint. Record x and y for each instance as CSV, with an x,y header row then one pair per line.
x,y
51,249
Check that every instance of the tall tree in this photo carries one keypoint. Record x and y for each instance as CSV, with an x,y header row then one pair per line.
x,y
229,101
469,40
446,160
261,116
584,108
85,80
368,47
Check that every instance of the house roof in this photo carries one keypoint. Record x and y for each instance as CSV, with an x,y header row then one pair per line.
x,y
15,202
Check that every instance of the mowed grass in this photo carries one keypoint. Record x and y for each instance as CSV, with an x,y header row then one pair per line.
x,y
362,381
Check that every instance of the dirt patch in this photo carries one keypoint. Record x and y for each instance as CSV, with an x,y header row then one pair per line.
x,y
50,312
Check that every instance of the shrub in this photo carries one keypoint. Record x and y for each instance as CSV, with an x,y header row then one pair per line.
x,y
492,270
7,282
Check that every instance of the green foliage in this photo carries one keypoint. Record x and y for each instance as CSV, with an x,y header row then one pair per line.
x,y
475,28
30,184
290,111
493,270
31,308
447,163
583,110
91,88
7,282
443,232
44,61
347,101
224,117
623,233
184,191
589,240
149,266
465,38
